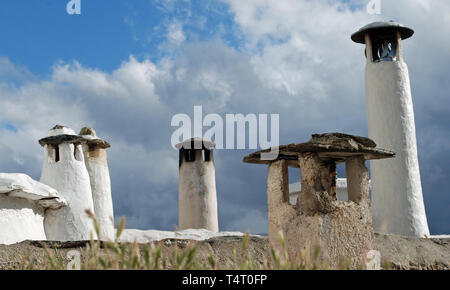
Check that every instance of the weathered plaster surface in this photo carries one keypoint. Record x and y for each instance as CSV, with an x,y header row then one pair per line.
x,y
197,195
397,201
70,177
343,230
97,167
20,220
358,179
341,190
23,202
279,211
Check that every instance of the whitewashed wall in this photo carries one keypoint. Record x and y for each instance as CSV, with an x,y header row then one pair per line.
x,y
23,202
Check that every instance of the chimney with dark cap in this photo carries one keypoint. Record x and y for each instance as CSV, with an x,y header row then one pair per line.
x,y
197,202
398,206
95,158
64,170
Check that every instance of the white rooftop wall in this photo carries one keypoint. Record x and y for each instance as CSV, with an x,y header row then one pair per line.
x,y
22,206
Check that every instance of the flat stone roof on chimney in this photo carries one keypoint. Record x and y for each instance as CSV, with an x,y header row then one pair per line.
x,y
335,147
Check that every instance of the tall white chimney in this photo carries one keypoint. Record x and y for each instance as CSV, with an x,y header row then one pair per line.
x,y
397,201
96,160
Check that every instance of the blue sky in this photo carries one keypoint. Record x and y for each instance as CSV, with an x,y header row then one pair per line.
x,y
125,67
41,33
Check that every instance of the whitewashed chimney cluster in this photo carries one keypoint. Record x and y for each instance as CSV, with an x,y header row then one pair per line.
x,y
75,175
76,166
75,178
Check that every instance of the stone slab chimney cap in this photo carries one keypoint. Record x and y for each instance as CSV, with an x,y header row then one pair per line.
x,y
336,147
61,134
196,143
91,138
382,27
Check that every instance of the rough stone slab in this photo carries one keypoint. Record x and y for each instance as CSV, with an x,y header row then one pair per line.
x,y
92,140
97,142
341,138
336,147
59,139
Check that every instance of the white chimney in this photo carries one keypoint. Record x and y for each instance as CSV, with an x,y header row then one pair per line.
x,y
65,171
95,158
397,201
197,186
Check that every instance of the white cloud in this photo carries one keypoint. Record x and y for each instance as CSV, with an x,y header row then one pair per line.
x,y
11,72
175,34
119,104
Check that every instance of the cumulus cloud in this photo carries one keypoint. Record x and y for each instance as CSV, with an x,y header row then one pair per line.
x,y
9,72
121,105
297,60
175,33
